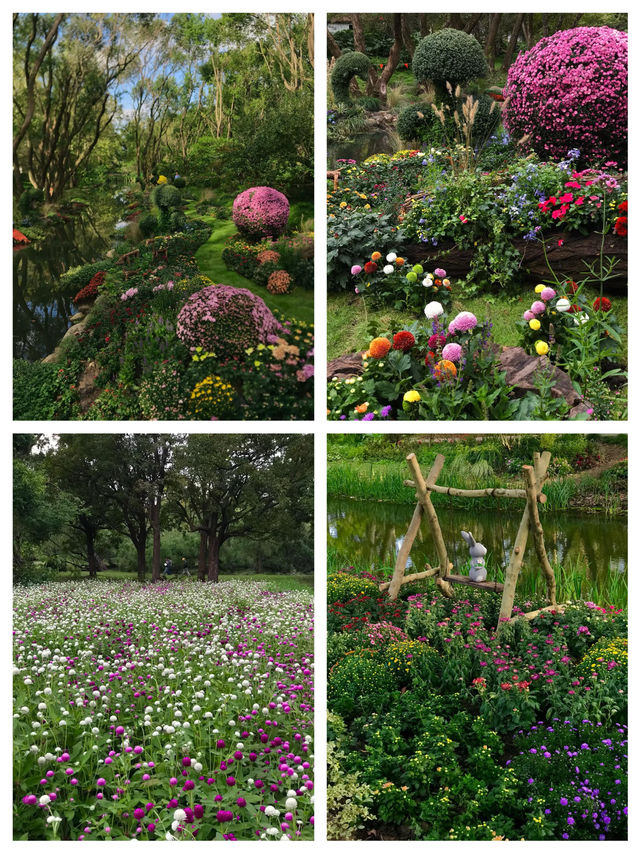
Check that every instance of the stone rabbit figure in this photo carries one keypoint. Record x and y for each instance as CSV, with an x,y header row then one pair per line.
x,y
477,551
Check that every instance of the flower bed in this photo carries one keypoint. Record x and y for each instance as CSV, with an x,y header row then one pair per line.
x,y
161,341
447,730
182,712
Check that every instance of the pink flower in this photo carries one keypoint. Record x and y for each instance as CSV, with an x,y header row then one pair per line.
x,y
538,307
356,269
452,352
547,294
528,315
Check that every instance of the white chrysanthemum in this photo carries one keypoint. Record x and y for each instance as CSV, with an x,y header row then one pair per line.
x,y
391,257
433,310
388,269
563,305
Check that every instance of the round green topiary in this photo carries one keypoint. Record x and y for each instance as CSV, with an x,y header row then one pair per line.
x,y
349,65
419,123
448,56
166,196
486,121
148,224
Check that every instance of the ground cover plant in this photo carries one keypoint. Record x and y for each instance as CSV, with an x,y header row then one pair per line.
x,y
211,187
161,712
472,207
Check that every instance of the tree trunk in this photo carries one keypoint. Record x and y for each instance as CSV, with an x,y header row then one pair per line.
x,y
513,42
213,557
141,550
472,23
202,556
90,536
155,527
332,46
492,36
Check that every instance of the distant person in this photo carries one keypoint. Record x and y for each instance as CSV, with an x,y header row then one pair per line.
x,y
185,567
168,567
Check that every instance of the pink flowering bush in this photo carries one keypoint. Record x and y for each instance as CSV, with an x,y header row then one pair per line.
x,y
226,321
570,91
261,212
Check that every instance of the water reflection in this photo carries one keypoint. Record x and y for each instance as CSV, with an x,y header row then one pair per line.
x,y
361,147
40,312
371,534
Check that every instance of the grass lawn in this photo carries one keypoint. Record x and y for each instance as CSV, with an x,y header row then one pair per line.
x,y
348,318
295,305
278,582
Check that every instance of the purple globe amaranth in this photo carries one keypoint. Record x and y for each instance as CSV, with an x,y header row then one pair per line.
x,y
226,321
261,212
571,91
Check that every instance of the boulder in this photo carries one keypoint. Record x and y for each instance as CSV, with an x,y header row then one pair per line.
x,y
522,367
345,366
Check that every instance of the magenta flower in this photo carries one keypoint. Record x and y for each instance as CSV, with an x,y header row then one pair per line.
x,y
224,816
356,269
538,307
452,352
547,294
463,322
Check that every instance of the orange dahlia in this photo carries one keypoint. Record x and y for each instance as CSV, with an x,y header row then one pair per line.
x,y
379,347
376,256
445,369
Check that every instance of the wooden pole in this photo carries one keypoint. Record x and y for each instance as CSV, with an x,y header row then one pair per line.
x,y
538,533
404,551
422,488
478,493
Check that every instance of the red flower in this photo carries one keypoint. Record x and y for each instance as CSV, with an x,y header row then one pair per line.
x,y
571,286
620,226
370,267
430,359
403,341
602,304
506,686
623,206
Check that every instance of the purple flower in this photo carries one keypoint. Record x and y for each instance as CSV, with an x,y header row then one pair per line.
x,y
224,816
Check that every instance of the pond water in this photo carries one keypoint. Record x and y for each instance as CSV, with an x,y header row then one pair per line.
x,y
40,312
359,148
367,533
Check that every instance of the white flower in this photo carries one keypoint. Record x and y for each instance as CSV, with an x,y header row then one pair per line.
x,y
581,319
273,830
388,269
53,819
563,305
391,257
44,800
271,812
291,803
179,814
433,310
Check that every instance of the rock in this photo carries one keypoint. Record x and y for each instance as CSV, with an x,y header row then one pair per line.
x,y
522,367
87,391
345,366
76,317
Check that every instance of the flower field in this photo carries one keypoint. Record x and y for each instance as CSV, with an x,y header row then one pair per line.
x,y
173,711
443,728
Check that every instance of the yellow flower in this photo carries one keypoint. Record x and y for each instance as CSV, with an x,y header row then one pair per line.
x,y
534,324
411,397
343,204
542,347
540,288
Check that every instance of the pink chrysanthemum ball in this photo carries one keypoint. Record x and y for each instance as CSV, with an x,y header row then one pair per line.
x,y
570,91
261,212
463,322
226,321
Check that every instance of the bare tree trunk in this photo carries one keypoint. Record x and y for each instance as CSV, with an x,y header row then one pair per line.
x,y
90,536
472,23
142,559
492,36
407,38
155,527
333,46
424,24
513,42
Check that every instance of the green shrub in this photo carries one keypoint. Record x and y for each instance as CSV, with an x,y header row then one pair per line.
x,y
349,65
179,182
369,103
30,197
41,391
343,586
341,645
74,279
359,685
419,123
166,196
148,224
448,56
177,221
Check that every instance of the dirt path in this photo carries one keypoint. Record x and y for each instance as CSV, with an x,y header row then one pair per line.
x,y
610,455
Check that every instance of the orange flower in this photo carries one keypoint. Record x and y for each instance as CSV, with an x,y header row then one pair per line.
x,y
376,256
445,369
399,262
362,408
379,347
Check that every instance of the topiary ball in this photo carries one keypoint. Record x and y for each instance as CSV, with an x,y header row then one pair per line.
x,y
225,321
570,91
261,212
166,196
449,56
417,123
350,64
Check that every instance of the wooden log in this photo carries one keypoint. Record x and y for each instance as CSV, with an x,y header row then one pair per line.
x,y
404,551
478,493
538,533
492,586
533,613
418,576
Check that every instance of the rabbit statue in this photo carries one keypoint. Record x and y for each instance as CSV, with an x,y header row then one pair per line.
x,y
477,551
